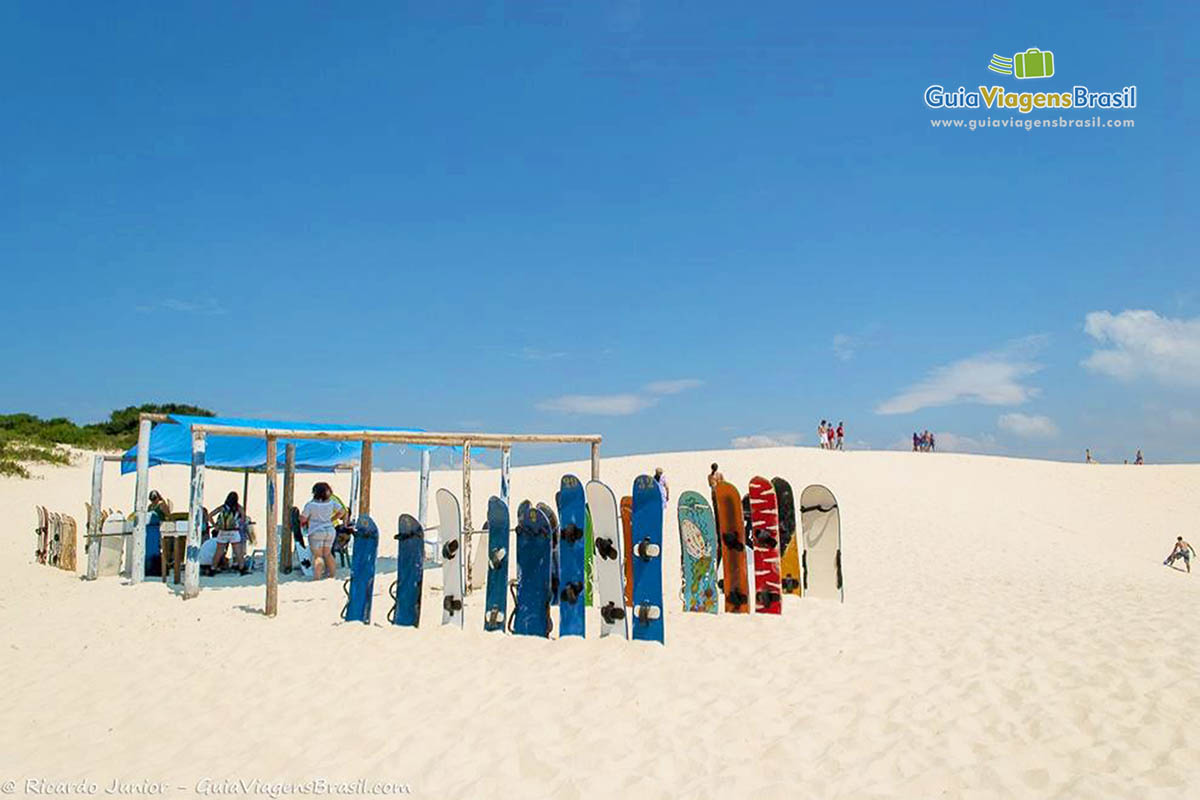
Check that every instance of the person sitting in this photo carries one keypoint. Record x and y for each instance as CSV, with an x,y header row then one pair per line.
x,y
229,522
320,516
1182,549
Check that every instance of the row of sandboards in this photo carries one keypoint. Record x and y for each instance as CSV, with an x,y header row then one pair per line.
x,y
552,564
590,544
56,537
718,537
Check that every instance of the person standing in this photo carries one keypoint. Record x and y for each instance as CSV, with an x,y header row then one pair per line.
x,y
916,442
714,477
1087,456
1137,460
320,516
229,521
932,443
821,435
663,489
830,434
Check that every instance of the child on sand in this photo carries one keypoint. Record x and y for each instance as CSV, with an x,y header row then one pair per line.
x,y
1182,550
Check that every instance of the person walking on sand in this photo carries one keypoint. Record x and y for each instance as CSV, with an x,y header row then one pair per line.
x,y
916,442
1182,549
841,434
932,444
1137,460
829,436
821,435
663,489
320,515
1087,456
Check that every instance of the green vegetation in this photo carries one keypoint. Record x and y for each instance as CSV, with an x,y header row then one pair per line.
x,y
27,439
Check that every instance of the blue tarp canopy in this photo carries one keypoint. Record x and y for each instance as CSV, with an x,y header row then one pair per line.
x,y
172,444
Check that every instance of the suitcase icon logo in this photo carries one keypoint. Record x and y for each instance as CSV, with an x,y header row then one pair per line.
x,y
1033,63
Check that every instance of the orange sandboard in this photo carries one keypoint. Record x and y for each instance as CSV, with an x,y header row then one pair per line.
x,y
627,533
732,529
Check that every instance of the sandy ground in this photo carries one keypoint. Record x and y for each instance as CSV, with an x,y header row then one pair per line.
x,y
1009,630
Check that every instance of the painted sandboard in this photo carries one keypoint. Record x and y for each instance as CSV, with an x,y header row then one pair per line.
x,y
698,546
764,521
789,542
627,535
531,596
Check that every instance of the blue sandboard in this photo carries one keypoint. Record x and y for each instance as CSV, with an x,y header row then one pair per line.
x,y
572,516
646,556
497,577
410,575
531,612
553,517
361,584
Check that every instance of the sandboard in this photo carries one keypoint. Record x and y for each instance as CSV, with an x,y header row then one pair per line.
x,y
698,548
496,606
42,532
589,550
531,595
450,541
646,555
733,550
552,515
360,586
572,514
608,547
764,520
303,559
627,535
66,554
410,573
821,520
789,542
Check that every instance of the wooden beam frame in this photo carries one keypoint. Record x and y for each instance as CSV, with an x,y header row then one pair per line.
x,y
271,522
137,548
289,500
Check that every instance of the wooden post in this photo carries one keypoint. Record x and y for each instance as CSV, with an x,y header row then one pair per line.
x,y
137,549
355,486
191,571
246,489
466,510
289,500
93,522
364,487
505,468
272,604
423,499
595,461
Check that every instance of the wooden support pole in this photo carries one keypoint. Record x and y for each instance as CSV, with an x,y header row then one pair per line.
x,y
137,549
505,469
191,570
289,500
423,499
466,511
246,489
595,461
364,484
271,521
93,521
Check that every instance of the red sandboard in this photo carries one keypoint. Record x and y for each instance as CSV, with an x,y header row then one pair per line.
x,y
627,533
764,519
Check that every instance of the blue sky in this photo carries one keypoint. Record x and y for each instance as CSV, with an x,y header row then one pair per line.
x,y
681,225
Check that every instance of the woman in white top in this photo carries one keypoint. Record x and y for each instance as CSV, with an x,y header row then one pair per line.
x,y
320,516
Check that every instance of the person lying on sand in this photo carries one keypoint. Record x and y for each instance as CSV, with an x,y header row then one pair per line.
x,y
1182,549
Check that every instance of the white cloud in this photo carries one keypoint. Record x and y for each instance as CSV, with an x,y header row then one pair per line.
x,y
614,405
844,346
765,440
617,405
1029,426
993,378
1143,344
673,387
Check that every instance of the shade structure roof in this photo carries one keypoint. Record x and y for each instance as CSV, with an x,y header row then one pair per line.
x,y
171,443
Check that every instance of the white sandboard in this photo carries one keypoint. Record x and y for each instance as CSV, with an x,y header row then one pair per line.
x,y
607,572
451,545
821,522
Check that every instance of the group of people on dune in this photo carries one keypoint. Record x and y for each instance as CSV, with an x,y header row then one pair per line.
x,y
923,442
829,436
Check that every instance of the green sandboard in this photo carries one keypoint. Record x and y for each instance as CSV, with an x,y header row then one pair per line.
x,y
589,543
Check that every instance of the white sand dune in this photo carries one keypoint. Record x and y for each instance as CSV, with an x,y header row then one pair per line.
x,y
1008,631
